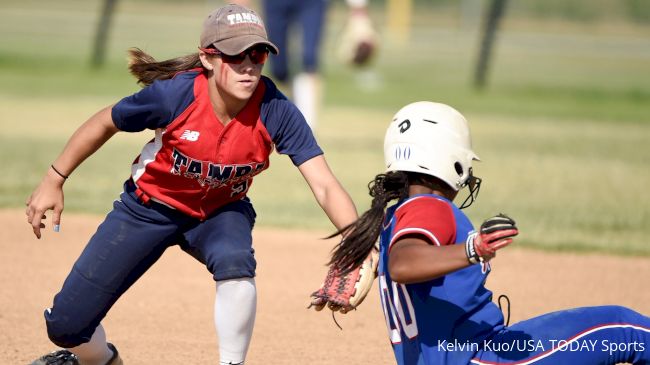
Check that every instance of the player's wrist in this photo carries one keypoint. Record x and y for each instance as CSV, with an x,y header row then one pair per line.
x,y
58,172
470,249
55,175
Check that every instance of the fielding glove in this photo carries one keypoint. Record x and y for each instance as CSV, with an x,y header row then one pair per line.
x,y
343,293
359,42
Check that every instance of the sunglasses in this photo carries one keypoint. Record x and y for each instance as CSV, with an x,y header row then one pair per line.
x,y
257,54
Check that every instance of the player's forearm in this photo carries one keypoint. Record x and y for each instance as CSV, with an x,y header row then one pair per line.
x,y
338,206
87,139
329,193
413,261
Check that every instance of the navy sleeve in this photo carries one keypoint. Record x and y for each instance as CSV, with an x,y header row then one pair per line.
x,y
156,105
287,127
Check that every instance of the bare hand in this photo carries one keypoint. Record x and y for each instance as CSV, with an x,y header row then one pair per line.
x,y
47,196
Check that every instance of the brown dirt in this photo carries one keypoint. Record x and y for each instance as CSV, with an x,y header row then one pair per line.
x,y
166,318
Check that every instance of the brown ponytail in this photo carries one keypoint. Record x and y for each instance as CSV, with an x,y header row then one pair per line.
x,y
363,233
147,70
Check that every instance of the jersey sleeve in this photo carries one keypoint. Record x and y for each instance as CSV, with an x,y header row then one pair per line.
x,y
427,218
287,127
155,106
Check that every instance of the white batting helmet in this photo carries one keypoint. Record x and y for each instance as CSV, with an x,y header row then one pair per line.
x,y
432,139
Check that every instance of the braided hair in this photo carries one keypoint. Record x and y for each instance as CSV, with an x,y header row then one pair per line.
x,y
361,235
146,69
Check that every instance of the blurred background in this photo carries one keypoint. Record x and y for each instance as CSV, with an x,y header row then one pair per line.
x,y
560,113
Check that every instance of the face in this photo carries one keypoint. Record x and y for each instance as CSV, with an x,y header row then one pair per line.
x,y
236,76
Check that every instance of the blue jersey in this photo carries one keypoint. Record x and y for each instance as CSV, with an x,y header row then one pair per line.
x,y
452,319
424,319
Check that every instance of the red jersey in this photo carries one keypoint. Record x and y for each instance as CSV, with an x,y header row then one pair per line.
x,y
195,163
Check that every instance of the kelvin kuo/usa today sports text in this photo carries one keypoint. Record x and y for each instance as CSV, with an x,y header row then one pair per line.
x,y
539,346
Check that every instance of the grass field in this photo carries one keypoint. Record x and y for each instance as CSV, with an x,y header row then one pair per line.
x,y
563,128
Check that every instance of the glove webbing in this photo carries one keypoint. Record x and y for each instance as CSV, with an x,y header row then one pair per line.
x,y
342,283
322,292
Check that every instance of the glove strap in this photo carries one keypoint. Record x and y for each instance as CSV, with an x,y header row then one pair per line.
x,y
470,250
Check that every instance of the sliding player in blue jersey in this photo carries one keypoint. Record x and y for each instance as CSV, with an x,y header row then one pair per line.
x,y
433,263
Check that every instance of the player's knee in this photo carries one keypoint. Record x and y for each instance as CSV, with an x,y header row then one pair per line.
x,y
613,314
234,264
67,330
622,314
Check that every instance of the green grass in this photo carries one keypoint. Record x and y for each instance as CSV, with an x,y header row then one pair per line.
x,y
569,184
563,128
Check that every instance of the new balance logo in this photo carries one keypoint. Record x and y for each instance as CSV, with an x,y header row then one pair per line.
x,y
191,136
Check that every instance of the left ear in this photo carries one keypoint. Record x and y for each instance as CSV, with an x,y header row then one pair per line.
x,y
205,61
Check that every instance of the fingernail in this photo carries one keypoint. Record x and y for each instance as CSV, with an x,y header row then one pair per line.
x,y
57,227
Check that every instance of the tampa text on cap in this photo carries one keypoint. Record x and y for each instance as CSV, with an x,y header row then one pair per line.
x,y
233,28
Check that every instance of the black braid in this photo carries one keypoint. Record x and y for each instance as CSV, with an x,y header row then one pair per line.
x,y
360,236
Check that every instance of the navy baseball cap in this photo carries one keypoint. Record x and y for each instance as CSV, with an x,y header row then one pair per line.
x,y
233,28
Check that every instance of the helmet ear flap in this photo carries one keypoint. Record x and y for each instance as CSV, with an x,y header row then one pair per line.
x,y
460,182
459,168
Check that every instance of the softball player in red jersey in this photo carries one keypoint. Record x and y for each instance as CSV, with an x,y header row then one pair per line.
x,y
433,265
216,120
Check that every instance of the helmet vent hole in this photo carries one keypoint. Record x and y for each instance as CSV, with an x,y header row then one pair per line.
x,y
423,167
459,168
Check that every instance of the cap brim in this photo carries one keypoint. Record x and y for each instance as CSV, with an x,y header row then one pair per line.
x,y
237,45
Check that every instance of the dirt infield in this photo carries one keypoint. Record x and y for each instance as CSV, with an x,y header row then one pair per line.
x,y
166,318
